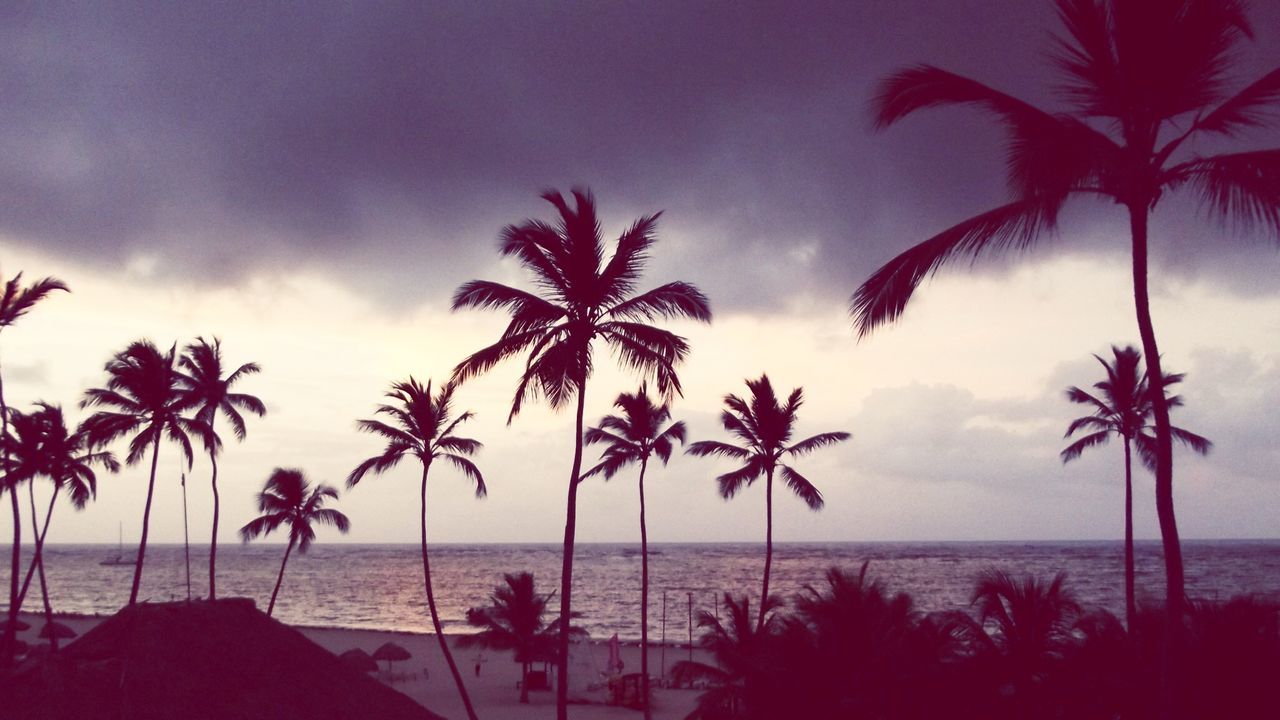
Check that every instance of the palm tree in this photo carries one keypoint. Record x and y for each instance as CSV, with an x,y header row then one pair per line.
x,y
515,622
765,427
145,393
1123,407
1027,624
40,444
422,427
742,677
207,389
14,303
288,499
582,298
1154,73
629,438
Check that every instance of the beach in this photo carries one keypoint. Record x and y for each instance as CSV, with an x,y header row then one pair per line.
x,y
494,690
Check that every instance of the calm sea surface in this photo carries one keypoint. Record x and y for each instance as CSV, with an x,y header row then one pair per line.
x,y
380,586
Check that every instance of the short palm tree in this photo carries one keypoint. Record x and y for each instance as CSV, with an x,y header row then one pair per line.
x,y
144,392
581,298
765,426
41,445
288,499
629,438
15,302
742,678
1122,407
422,426
210,391
1144,79
515,621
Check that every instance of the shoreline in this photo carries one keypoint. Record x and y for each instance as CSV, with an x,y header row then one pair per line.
x,y
491,676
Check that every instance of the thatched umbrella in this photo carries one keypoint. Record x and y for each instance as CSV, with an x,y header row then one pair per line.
x,y
391,652
359,660
56,630
18,626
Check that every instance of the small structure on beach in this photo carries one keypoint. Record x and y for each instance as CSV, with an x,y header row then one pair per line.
x,y
359,660
201,661
391,653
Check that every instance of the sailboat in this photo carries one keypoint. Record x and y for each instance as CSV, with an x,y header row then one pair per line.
x,y
119,559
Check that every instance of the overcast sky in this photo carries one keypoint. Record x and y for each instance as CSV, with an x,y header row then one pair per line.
x,y
311,182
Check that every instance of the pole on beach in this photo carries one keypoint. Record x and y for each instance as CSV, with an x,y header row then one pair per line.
x,y
690,626
664,633
186,536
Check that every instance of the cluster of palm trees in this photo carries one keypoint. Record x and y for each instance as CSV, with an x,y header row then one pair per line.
x,y
150,395
852,648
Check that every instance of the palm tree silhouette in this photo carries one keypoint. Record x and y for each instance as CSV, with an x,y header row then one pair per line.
x,y
739,679
207,389
765,427
515,622
145,393
630,438
1155,73
422,427
288,499
14,303
580,301
1123,407
40,444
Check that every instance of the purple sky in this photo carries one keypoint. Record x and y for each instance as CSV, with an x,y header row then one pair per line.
x,y
183,155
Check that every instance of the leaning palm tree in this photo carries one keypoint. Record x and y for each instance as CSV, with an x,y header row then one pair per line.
x,y
41,445
629,438
15,302
422,427
1122,407
207,389
515,622
1144,79
288,499
765,426
582,298
144,394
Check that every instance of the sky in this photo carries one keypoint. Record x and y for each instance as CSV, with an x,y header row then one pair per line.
x,y
311,183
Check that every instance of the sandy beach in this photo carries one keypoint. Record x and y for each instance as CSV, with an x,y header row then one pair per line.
x,y
494,690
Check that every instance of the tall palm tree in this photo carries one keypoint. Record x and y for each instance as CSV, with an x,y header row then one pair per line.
x,y
582,298
15,302
1144,79
288,499
630,438
422,426
144,392
1122,407
207,389
765,426
515,621
40,444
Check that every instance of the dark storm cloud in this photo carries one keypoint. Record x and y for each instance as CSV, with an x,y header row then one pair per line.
x,y
391,141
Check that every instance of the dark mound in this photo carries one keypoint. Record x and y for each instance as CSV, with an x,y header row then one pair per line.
x,y
224,659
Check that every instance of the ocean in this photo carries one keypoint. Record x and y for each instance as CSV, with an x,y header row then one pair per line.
x,y
380,586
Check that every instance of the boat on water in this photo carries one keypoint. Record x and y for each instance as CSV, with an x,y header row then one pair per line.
x,y
119,559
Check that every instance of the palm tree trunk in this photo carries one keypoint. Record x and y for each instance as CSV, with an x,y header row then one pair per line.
x,y
186,536
280,578
431,605
566,565
15,562
38,559
1174,584
644,601
39,554
1130,603
146,522
213,541
524,683
768,546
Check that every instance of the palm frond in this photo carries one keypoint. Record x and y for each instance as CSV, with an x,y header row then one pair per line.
x,y
801,486
1074,450
1246,109
706,448
884,296
1240,188
673,301
469,469
820,440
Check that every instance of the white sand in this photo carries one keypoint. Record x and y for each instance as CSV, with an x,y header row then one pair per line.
x,y
494,693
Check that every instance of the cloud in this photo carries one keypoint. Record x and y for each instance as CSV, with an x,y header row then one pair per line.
x,y
388,144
